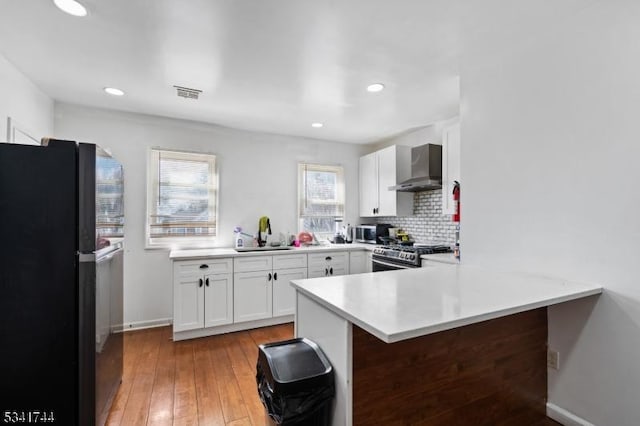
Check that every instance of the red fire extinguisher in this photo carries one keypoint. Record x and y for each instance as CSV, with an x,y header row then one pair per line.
x,y
456,201
456,217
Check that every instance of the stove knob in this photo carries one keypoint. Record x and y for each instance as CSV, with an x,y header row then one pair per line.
x,y
413,257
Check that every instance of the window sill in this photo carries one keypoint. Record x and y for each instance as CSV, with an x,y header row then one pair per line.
x,y
181,245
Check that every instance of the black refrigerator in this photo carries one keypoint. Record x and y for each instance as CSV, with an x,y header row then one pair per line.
x,y
61,257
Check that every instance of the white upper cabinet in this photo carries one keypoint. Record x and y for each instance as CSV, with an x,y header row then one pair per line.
x,y
368,184
380,170
450,165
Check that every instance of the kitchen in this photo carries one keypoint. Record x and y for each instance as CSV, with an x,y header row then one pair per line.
x,y
532,136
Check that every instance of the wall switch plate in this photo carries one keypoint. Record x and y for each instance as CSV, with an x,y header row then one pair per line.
x,y
553,359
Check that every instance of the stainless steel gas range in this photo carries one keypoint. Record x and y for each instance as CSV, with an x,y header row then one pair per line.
x,y
389,258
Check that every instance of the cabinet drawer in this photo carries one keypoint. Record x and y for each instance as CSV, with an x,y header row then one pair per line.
x,y
290,261
333,258
252,263
205,266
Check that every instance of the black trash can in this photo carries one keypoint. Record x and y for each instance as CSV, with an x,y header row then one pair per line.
x,y
295,383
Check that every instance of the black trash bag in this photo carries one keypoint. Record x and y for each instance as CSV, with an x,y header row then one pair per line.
x,y
295,383
296,408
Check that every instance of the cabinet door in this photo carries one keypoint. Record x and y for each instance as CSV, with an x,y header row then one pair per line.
x,y
369,261
368,174
450,165
387,178
357,262
284,296
188,303
218,299
394,167
252,296
318,271
339,269
338,259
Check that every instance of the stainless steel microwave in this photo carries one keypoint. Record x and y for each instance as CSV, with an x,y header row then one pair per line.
x,y
371,234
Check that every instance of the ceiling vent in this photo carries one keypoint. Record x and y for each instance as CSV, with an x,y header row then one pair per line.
x,y
188,93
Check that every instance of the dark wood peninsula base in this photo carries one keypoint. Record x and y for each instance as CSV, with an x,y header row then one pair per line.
x,y
489,373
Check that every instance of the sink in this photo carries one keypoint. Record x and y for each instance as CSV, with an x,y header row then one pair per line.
x,y
267,248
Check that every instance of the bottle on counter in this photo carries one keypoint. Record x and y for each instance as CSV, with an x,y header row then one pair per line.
x,y
348,234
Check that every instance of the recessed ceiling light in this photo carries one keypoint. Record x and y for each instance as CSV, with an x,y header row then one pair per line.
x,y
375,87
113,91
72,7
317,125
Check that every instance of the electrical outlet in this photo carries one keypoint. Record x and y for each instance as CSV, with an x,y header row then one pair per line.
x,y
553,359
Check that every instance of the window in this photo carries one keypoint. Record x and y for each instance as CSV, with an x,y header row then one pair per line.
x,y
182,193
109,196
320,198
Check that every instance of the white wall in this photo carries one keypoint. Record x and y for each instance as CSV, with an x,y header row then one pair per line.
x,y
550,183
258,176
416,137
25,103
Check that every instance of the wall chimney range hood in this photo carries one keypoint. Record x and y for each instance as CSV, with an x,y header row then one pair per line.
x,y
426,169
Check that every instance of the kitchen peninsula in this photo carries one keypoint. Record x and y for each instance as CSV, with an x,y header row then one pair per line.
x,y
435,345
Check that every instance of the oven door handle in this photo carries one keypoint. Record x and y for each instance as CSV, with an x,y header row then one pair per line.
x,y
391,265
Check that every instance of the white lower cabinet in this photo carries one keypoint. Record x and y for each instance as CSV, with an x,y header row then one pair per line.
x,y
219,295
218,299
202,294
252,295
358,262
328,264
261,285
284,296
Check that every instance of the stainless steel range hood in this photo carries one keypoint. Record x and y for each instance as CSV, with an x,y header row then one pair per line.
x,y
426,169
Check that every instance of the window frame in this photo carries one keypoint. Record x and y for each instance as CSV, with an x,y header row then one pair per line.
x,y
340,189
178,242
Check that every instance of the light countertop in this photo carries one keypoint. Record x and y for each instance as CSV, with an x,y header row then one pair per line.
x,y
230,252
399,305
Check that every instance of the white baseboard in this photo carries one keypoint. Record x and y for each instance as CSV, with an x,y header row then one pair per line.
x,y
140,325
565,417
230,328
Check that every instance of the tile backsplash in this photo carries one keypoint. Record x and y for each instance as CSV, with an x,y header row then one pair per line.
x,y
427,223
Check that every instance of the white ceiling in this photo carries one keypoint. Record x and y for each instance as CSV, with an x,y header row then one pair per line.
x,y
266,65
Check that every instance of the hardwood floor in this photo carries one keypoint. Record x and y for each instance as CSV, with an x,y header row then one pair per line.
x,y
207,381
